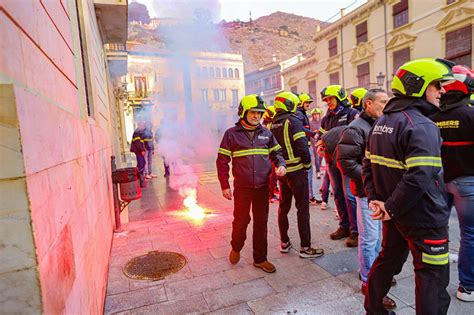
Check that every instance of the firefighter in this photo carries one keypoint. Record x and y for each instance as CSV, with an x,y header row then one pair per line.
x,y
138,147
340,114
403,180
288,130
456,124
150,149
302,114
268,116
252,148
356,98
350,152
267,119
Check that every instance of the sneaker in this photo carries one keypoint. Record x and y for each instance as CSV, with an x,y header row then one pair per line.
x,y
318,175
309,252
147,176
273,199
465,295
324,206
285,247
265,266
353,240
313,201
234,257
153,175
340,233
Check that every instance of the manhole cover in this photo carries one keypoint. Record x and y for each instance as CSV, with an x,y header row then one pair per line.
x,y
154,266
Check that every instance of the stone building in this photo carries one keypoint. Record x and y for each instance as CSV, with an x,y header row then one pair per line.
x,y
58,130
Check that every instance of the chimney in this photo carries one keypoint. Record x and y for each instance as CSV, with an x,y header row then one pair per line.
x,y
318,28
343,12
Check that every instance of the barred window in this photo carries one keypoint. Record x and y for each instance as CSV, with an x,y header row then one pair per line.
x,y
400,57
459,45
361,32
363,74
312,87
400,13
332,47
334,78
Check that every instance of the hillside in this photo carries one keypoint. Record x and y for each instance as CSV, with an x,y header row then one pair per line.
x,y
280,35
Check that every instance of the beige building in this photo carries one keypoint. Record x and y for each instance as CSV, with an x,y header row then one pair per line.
x,y
365,47
183,87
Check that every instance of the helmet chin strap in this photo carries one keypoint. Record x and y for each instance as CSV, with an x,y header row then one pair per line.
x,y
247,125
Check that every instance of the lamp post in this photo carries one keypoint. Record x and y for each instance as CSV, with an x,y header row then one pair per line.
x,y
380,79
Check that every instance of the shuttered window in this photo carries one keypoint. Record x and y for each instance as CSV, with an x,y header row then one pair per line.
x,y
332,47
363,74
459,45
400,13
400,57
334,78
361,32
312,88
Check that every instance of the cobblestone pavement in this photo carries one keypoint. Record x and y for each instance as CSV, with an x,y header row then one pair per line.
x,y
210,284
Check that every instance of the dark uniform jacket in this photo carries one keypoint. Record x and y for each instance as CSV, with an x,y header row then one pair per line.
x,y
137,145
148,139
342,116
351,151
403,166
251,157
303,117
456,123
288,131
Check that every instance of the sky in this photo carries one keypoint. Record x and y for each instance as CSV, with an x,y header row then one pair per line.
x,y
239,9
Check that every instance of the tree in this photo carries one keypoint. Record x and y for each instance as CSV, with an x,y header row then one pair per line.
x,y
138,12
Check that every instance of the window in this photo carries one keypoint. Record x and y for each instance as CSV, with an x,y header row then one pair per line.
x,y
198,71
236,72
312,88
266,84
459,45
204,96
400,57
363,74
231,73
211,72
334,78
86,63
219,95
224,72
218,72
274,82
294,89
361,32
332,47
235,97
400,13
278,81
140,86
204,72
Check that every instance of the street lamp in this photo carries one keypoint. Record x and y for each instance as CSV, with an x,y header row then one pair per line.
x,y
380,79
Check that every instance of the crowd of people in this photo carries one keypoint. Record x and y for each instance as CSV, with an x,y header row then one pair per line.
x,y
395,164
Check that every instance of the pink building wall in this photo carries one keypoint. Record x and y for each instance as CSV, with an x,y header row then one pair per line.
x,y
57,161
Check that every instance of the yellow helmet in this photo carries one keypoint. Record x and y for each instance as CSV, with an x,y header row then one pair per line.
x,y
286,101
334,90
316,111
305,98
269,113
413,77
253,102
356,97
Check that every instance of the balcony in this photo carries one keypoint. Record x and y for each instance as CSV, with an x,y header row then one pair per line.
x,y
113,17
117,58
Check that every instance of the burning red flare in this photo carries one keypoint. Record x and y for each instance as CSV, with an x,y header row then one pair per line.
x,y
194,211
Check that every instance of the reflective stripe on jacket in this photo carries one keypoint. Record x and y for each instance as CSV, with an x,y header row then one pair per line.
x,y
402,166
137,145
288,131
251,155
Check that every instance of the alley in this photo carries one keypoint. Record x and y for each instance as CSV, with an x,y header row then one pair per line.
x,y
210,284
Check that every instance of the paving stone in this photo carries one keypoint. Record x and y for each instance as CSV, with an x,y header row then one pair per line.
x,y
407,310
241,309
211,266
243,273
291,277
237,294
117,282
348,305
182,274
191,304
404,290
304,297
220,252
134,299
181,289
340,262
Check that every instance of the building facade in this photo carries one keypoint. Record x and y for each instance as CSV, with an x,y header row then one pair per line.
x,y
164,85
57,134
266,82
365,47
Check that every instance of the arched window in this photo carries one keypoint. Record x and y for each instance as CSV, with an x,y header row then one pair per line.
x,y
231,73
204,72
224,72
236,73
218,72
211,72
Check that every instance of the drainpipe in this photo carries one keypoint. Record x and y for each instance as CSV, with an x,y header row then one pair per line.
x,y
385,46
342,47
